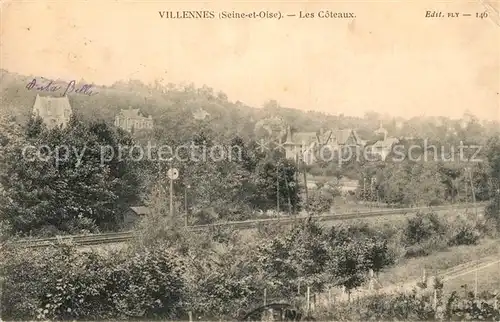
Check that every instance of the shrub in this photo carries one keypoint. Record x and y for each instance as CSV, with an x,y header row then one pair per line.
x,y
464,235
414,307
425,248
464,229
320,201
64,284
422,227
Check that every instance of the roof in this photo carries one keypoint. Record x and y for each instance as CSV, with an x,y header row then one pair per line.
x,y
304,138
325,137
140,210
56,105
387,143
343,135
132,113
338,136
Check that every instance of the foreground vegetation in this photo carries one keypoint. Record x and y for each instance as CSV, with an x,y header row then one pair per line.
x,y
167,272
416,306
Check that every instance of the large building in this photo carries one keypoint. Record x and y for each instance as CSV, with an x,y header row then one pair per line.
x,y
304,146
133,119
54,111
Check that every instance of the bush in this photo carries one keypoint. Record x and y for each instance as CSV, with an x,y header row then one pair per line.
x,y
424,234
320,201
425,248
64,284
464,235
422,227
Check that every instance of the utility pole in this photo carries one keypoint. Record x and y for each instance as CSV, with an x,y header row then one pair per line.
x,y
475,210
171,197
288,194
172,174
371,194
498,199
305,186
473,191
186,204
364,189
278,188
466,195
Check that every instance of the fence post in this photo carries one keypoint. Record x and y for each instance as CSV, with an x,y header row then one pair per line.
x,y
308,303
190,314
265,296
434,300
370,285
329,296
298,288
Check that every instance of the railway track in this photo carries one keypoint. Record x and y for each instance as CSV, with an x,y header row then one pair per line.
x,y
109,238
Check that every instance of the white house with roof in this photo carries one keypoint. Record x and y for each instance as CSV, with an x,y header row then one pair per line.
x,y
383,147
129,119
54,111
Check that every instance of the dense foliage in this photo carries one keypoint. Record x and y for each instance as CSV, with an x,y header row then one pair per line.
x,y
168,270
56,181
62,283
82,178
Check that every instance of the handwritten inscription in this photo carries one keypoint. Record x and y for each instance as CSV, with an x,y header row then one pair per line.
x,y
61,87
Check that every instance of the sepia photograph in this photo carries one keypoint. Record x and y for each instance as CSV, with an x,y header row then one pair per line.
x,y
249,160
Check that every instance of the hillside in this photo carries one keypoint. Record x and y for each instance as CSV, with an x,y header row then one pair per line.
x,y
174,107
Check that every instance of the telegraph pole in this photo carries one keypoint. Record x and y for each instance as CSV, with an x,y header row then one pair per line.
x,y
186,204
498,199
364,189
171,197
305,186
172,174
288,194
473,191
475,210
278,188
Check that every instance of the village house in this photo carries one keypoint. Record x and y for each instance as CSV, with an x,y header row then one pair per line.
x,y
382,147
133,215
304,146
54,111
129,119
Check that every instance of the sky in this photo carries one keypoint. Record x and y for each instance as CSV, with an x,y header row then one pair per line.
x,y
389,58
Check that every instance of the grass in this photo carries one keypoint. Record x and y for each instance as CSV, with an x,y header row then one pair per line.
x,y
488,280
412,269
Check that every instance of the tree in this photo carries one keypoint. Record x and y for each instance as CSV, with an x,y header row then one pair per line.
x,y
274,173
348,265
69,186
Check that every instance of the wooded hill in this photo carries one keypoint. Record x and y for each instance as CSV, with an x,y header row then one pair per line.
x,y
173,108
